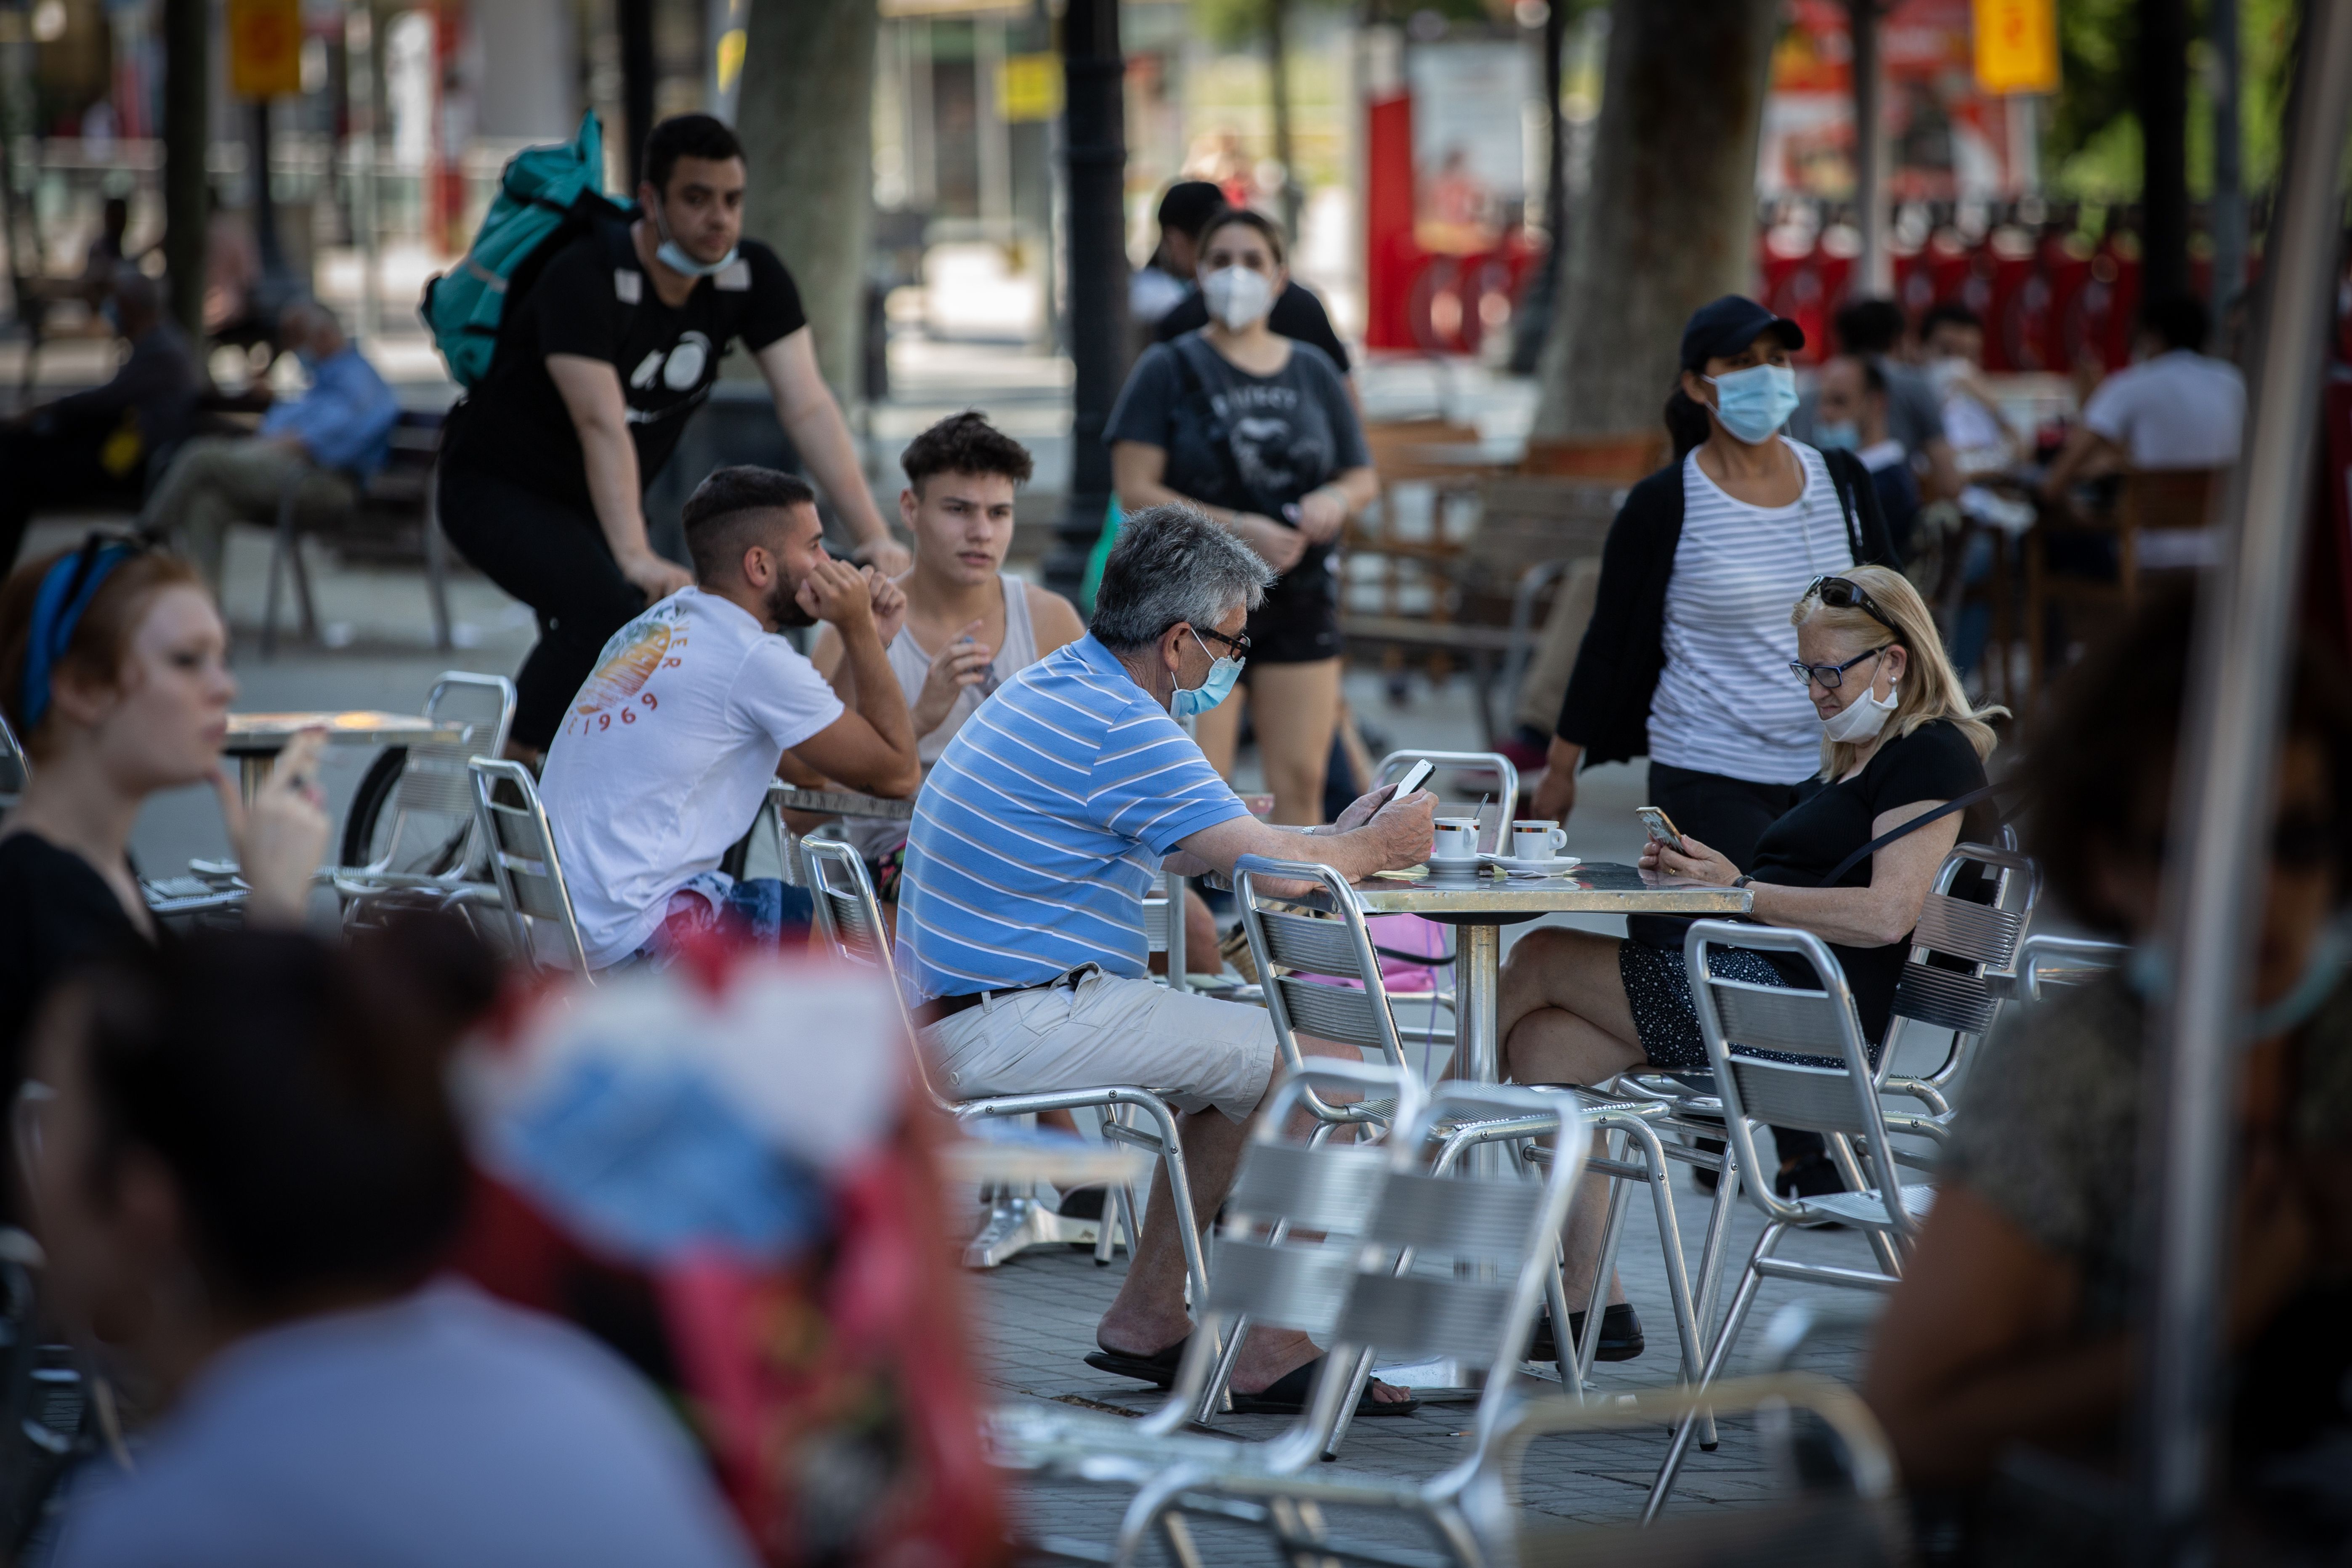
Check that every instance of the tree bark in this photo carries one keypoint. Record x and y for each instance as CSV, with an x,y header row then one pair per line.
x,y
806,117
1670,221
188,136
2164,140
1277,65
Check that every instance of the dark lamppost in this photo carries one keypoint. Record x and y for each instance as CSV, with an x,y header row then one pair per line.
x,y
1094,145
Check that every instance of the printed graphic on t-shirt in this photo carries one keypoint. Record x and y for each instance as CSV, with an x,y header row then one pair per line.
x,y
616,693
1274,454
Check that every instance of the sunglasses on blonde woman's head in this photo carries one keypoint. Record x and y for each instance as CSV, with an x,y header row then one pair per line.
x,y
1838,594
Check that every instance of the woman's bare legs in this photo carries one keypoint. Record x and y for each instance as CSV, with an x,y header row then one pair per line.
x,y
1564,1018
1297,709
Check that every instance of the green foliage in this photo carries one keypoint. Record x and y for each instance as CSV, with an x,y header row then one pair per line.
x,y
2093,144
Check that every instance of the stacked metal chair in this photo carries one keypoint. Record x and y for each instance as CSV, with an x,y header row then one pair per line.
x,y
1452,1265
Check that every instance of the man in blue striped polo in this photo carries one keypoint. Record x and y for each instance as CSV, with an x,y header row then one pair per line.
x,y
1021,906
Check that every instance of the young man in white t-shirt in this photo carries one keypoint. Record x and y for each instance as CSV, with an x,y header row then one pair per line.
x,y
664,758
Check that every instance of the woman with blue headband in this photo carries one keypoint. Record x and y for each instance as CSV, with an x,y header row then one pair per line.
x,y
114,676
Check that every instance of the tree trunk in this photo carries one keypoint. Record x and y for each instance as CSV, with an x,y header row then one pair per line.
x,y
807,121
1277,63
1670,221
188,136
2164,139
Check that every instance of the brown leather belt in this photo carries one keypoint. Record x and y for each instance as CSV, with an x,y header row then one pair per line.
x,y
940,1007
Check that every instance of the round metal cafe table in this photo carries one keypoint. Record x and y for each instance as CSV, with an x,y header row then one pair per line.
x,y
256,739
1479,903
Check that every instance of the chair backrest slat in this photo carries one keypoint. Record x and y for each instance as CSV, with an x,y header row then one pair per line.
x,y
1333,1012
1978,933
1468,1218
849,921
1155,924
1315,946
1811,1099
1946,998
1282,1285
1416,1317
1771,1018
1332,1188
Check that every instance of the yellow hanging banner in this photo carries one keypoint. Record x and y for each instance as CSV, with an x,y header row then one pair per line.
x,y
2017,46
1030,87
265,47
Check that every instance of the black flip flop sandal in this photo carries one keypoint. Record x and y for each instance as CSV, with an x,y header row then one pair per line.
x,y
1158,1369
1286,1395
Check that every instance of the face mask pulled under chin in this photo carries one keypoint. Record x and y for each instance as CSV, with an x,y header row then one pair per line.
x,y
1861,719
1236,296
672,255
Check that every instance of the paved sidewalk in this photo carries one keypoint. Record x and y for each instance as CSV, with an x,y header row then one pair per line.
x,y
1037,1314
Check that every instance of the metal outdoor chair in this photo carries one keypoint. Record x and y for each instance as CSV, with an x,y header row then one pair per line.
x,y
521,847
1295,1222
1838,1097
1962,965
2063,961
413,824
16,768
1847,1508
403,493
1299,952
1453,1267
849,921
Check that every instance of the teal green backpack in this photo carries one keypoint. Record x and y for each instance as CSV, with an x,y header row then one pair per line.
x,y
547,198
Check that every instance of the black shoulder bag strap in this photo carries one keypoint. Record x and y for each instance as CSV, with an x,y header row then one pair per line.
x,y
1196,390
1960,804
1845,505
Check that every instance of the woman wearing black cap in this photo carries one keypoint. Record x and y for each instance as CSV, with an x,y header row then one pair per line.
x,y
1687,659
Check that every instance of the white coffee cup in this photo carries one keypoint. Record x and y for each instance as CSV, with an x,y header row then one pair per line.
x,y
1457,838
1537,840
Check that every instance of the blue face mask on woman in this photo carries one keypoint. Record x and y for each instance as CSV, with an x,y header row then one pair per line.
x,y
1755,402
1191,702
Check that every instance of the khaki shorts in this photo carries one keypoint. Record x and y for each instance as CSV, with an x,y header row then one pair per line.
x,y
1094,1030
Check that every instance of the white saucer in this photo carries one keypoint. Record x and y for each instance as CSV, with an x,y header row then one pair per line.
x,y
1556,866
1455,862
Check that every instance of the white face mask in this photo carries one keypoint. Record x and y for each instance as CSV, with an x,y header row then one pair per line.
x,y
1863,718
1237,296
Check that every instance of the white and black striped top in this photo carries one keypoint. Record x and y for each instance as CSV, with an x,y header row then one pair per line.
x,y
1725,702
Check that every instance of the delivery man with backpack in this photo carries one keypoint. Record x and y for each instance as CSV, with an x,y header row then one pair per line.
x,y
605,346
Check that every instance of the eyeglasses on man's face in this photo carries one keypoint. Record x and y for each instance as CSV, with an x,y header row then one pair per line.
x,y
1240,645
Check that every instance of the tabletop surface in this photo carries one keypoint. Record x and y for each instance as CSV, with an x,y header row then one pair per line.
x,y
269,732
839,802
1595,887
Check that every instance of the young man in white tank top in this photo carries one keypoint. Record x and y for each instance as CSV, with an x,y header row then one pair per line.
x,y
970,624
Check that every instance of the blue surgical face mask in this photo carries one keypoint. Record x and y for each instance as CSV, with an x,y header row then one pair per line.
x,y
1837,436
672,255
1193,702
1755,402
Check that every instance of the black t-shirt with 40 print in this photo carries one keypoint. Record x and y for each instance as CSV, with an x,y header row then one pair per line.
x,y
594,299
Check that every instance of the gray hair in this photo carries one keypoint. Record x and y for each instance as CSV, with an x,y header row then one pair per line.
x,y
1173,565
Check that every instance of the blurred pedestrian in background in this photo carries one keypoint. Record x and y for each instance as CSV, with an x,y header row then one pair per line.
x,y
325,444
93,447
247,1173
1185,214
1875,329
1256,431
1852,402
